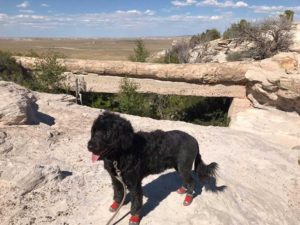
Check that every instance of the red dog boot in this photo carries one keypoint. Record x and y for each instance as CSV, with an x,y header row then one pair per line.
x,y
134,220
114,207
188,199
181,190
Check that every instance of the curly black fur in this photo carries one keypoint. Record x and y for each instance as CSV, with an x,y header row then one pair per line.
x,y
143,153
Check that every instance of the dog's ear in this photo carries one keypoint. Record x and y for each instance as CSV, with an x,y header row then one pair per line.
x,y
126,134
126,140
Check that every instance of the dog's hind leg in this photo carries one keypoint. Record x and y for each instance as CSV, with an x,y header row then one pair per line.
x,y
188,184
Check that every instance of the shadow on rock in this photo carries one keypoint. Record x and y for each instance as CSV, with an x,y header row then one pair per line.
x,y
64,174
159,189
42,117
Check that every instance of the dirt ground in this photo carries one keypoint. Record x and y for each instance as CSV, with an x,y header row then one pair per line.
x,y
100,49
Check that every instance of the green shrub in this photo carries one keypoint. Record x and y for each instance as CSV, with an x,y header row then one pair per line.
x,y
140,52
289,15
10,70
235,30
269,37
234,56
208,35
48,74
129,100
32,53
178,53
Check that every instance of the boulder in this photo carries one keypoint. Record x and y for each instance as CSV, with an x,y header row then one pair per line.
x,y
17,105
276,83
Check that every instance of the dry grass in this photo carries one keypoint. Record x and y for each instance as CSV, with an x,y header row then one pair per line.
x,y
101,49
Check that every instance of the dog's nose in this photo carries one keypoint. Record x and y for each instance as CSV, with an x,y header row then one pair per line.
x,y
90,146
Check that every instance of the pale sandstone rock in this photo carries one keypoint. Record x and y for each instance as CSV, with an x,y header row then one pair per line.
x,y
111,84
296,33
276,82
210,73
216,50
17,105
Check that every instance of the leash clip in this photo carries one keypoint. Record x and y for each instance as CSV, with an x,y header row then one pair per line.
x,y
118,172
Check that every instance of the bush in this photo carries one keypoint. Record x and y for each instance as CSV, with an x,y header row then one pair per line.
x,y
178,53
140,52
204,37
48,75
269,37
289,15
129,100
234,56
32,53
10,70
235,30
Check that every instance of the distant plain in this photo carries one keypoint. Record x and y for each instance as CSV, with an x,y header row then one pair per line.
x,y
100,49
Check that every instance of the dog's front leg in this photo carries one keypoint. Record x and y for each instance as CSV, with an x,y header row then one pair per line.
x,y
136,203
117,187
118,194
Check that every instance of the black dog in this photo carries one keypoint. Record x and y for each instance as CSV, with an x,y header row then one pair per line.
x,y
143,153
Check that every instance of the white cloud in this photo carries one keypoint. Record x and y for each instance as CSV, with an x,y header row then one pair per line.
x,y
178,3
129,12
216,17
241,4
3,17
150,12
135,12
192,18
273,9
44,5
214,3
225,4
26,16
23,5
26,11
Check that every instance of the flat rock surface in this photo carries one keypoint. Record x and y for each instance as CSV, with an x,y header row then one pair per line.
x,y
111,84
46,176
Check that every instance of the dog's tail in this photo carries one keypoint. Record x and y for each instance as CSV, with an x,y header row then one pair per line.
x,y
203,170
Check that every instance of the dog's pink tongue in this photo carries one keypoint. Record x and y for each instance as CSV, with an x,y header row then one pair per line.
x,y
95,157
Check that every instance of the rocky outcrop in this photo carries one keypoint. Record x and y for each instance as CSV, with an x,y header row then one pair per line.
x,y
17,105
217,50
296,34
276,82
48,178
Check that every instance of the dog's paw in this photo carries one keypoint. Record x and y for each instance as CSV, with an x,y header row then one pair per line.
x,y
188,199
114,207
181,190
134,220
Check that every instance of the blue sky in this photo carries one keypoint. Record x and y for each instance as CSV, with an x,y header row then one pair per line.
x,y
130,18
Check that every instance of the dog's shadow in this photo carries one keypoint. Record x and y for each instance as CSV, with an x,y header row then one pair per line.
x,y
159,189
